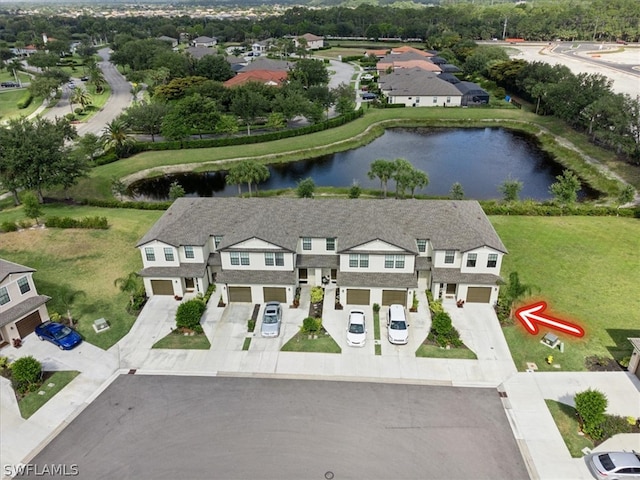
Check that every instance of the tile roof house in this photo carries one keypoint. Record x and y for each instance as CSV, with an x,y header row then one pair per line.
x,y
416,88
21,308
266,77
407,49
410,59
372,251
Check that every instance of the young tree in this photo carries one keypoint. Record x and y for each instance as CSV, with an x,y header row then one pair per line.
x,y
89,146
131,284
456,192
515,291
306,188
565,190
176,191
227,125
626,195
510,190
118,188
355,190
32,208
383,170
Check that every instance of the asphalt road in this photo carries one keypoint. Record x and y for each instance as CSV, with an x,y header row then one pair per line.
x,y
155,427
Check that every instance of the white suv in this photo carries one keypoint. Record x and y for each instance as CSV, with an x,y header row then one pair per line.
x,y
397,326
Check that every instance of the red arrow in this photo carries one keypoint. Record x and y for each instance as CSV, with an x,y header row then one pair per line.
x,y
527,315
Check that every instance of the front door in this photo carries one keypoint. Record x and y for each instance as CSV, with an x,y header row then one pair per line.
x,y
303,275
189,284
451,288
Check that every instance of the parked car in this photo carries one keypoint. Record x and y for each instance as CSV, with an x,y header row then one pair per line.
x,y
271,320
71,85
8,84
397,326
614,465
369,96
60,335
367,76
84,79
356,329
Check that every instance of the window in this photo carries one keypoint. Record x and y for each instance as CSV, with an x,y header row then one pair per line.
x,y
188,252
151,255
23,283
4,296
493,260
235,258
435,99
216,240
448,99
168,254
331,244
449,255
360,260
244,258
394,261
399,261
279,259
471,259
268,259
306,243
388,261
422,245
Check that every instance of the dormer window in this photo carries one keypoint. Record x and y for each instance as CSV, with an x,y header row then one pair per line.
x,y
4,296
216,240
23,283
422,245
449,256
306,243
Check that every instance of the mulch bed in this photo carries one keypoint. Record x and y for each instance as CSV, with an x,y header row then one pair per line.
x,y
595,363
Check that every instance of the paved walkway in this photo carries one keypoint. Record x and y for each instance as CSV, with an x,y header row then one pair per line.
x,y
543,449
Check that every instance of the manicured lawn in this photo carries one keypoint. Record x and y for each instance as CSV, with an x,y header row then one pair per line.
x,y
435,351
31,402
586,269
97,102
9,98
376,325
567,423
246,343
82,262
302,343
183,342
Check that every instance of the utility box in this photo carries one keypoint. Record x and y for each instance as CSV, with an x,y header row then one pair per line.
x,y
550,340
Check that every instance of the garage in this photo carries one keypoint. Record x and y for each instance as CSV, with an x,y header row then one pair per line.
x,y
478,294
28,324
390,297
358,296
274,294
162,287
240,294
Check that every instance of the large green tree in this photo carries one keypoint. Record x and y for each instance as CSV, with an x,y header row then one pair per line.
x,y
146,117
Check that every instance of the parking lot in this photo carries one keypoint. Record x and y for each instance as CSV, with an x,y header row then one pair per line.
x,y
210,427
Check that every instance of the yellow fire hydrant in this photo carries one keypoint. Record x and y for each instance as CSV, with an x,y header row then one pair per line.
x,y
550,359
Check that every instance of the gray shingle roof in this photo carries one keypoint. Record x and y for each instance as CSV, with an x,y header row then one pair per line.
x,y
23,308
377,280
453,275
268,64
416,82
317,261
448,224
7,268
184,270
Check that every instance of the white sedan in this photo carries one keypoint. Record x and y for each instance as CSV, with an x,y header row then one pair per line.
x,y
356,330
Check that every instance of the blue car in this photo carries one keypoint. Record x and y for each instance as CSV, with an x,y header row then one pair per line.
x,y
58,334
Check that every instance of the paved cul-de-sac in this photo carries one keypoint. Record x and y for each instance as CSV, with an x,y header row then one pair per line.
x,y
156,427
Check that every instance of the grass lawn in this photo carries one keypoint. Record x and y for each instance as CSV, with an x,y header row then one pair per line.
x,y
97,102
184,342
302,343
246,343
435,351
8,104
586,269
567,422
376,332
31,402
82,264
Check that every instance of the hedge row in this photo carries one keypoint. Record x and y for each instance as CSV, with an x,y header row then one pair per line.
x,y
25,100
98,223
491,207
118,204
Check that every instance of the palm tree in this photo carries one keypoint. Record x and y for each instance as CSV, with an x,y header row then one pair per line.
x,y
81,96
131,284
515,290
96,78
382,169
116,136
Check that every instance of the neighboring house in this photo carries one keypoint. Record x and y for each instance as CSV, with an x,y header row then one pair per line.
x,y
407,49
204,42
395,61
634,362
313,42
372,251
200,52
416,88
260,48
472,93
171,40
376,53
269,65
21,308
266,77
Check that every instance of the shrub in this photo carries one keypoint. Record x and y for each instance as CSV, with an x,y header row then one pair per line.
x,y
25,100
98,223
317,294
189,314
24,224
311,325
376,308
441,323
591,405
9,227
4,363
251,325
614,424
210,290
25,372
70,116
624,361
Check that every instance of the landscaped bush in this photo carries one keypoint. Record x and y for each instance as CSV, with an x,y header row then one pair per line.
x,y
317,294
251,324
376,308
118,204
591,405
189,314
9,227
98,223
530,208
210,290
311,325
24,224
25,100
614,424
26,372
443,332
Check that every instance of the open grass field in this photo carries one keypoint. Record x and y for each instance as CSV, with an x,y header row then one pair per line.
x,y
351,135
82,264
587,270
9,98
